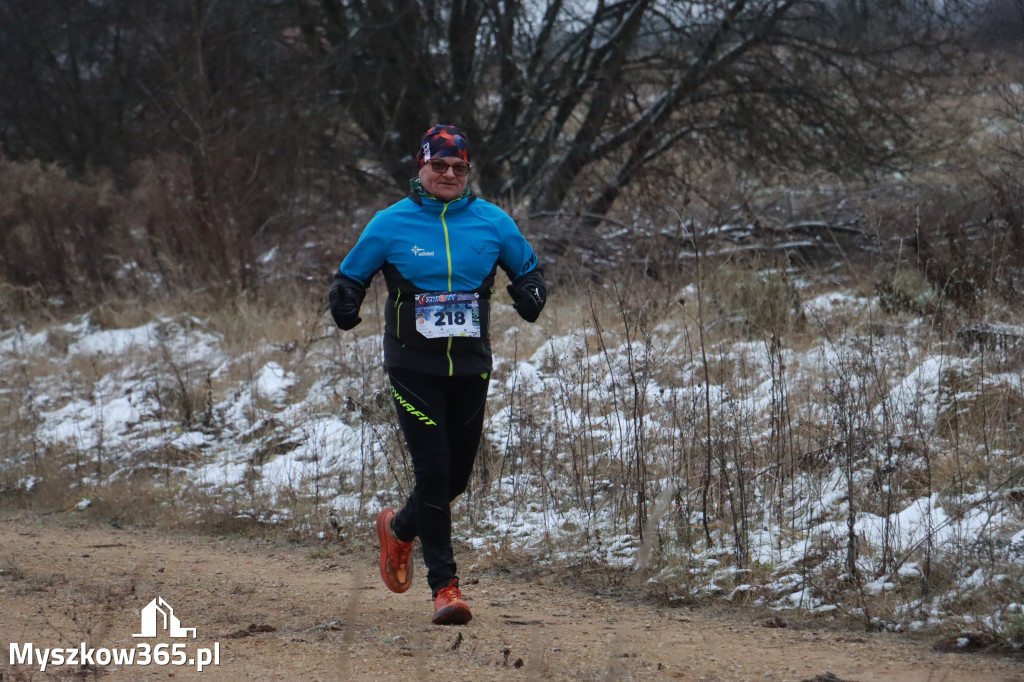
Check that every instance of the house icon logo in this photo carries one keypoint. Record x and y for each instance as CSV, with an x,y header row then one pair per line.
x,y
159,611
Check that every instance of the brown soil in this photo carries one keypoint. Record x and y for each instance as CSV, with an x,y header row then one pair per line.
x,y
293,611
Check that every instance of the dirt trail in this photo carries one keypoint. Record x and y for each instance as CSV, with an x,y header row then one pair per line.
x,y
65,583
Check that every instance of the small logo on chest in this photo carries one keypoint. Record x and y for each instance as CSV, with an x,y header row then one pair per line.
x,y
417,251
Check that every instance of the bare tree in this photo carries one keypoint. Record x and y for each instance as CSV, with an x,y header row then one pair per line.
x,y
99,84
206,106
66,71
568,102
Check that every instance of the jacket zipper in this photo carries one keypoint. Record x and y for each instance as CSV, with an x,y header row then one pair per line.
x,y
448,253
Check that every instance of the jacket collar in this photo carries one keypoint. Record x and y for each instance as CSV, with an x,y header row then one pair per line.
x,y
424,198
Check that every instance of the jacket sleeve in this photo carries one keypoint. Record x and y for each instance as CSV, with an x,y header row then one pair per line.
x,y
516,256
528,288
368,255
351,279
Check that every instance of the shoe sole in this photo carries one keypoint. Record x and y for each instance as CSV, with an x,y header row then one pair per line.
x,y
383,536
456,614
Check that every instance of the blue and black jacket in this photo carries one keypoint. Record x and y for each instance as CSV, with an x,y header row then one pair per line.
x,y
424,245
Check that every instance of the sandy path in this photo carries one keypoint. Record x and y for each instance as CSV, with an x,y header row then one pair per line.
x,y
65,583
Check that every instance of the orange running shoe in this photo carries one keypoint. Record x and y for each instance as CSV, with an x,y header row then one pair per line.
x,y
395,555
449,609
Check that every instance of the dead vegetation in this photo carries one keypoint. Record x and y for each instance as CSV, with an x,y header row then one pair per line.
x,y
821,381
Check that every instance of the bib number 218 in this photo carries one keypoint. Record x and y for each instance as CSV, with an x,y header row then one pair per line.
x,y
448,314
443,317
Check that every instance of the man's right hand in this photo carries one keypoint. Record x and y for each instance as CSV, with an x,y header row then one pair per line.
x,y
345,303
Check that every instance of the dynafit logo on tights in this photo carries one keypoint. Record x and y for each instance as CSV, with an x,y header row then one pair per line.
x,y
411,409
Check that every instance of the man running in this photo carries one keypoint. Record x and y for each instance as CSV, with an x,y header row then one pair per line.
x,y
439,249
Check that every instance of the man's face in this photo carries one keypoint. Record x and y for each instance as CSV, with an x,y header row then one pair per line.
x,y
444,185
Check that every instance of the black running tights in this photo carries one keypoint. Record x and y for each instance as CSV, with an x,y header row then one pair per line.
x,y
442,420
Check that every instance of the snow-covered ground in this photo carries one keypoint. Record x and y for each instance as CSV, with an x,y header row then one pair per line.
x,y
873,473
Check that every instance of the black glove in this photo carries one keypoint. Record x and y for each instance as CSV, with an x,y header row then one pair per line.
x,y
529,294
346,296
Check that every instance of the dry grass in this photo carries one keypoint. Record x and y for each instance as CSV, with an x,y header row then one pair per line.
x,y
711,380
562,444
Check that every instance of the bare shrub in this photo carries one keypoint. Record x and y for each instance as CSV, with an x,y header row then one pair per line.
x,y
47,480
799,454
177,228
58,236
963,229
198,223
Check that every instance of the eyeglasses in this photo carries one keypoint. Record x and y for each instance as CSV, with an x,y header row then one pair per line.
x,y
440,167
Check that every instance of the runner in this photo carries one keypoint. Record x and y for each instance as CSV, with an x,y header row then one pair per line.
x,y
439,250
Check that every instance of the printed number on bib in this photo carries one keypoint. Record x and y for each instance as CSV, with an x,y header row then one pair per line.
x,y
442,315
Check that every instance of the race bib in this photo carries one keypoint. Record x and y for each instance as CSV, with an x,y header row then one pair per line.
x,y
448,314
